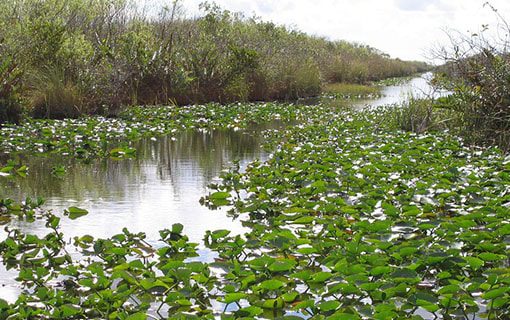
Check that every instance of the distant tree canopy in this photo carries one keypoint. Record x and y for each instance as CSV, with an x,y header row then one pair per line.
x,y
63,58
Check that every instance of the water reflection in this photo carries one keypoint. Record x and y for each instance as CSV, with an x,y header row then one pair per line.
x,y
160,187
418,87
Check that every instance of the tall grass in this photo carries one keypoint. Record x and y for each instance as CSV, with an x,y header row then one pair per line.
x,y
99,55
418,115
53,96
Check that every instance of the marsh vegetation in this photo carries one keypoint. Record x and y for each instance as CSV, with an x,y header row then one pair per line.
x,y
325,210
65,58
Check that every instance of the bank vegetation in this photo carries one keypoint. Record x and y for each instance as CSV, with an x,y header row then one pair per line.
x,y
66,58
476,71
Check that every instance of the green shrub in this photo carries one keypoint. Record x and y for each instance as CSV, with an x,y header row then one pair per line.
x,y
10,110
100,55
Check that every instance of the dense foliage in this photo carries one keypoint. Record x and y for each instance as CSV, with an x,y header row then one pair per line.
x,y
65,58
349,219
358,221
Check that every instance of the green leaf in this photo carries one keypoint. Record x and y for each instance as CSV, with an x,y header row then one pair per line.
x,y
233,297
302,275
218,234
411,211
405,275
184,302
430,307
271,285
137,316
177,228
290,296
450,289
282,265
3,304
488,256
152,284
321,277
380,270
75,212
390,210
277,303
69,310
496,293
251,311
53,222
304,220
328,306
7,169
474,263
304,305
344,316
219,195
407,251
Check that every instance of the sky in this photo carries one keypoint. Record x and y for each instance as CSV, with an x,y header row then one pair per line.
x,y
405,29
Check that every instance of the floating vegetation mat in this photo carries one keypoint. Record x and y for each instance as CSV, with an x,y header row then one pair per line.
x,y
92,137
349,219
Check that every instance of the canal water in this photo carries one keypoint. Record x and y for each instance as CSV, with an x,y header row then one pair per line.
x,y
162,186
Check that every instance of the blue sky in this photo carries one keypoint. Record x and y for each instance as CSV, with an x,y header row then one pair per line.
x,y
407,29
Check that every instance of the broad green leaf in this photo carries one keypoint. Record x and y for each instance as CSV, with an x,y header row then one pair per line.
x,y
328,306
271,285
380,270
251,311
495,293
344,316
233,297
277,303
474,263
69,310
282,265
219,195
488,256
304,220
75,212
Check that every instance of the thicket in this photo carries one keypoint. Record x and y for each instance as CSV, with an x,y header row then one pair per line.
x,y
64,58
476,71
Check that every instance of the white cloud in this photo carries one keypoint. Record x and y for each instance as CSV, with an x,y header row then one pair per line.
x,y
412,5
416,5
403,28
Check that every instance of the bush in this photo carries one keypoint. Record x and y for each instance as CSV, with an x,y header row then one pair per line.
x,y
95,56
10,77
477,71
